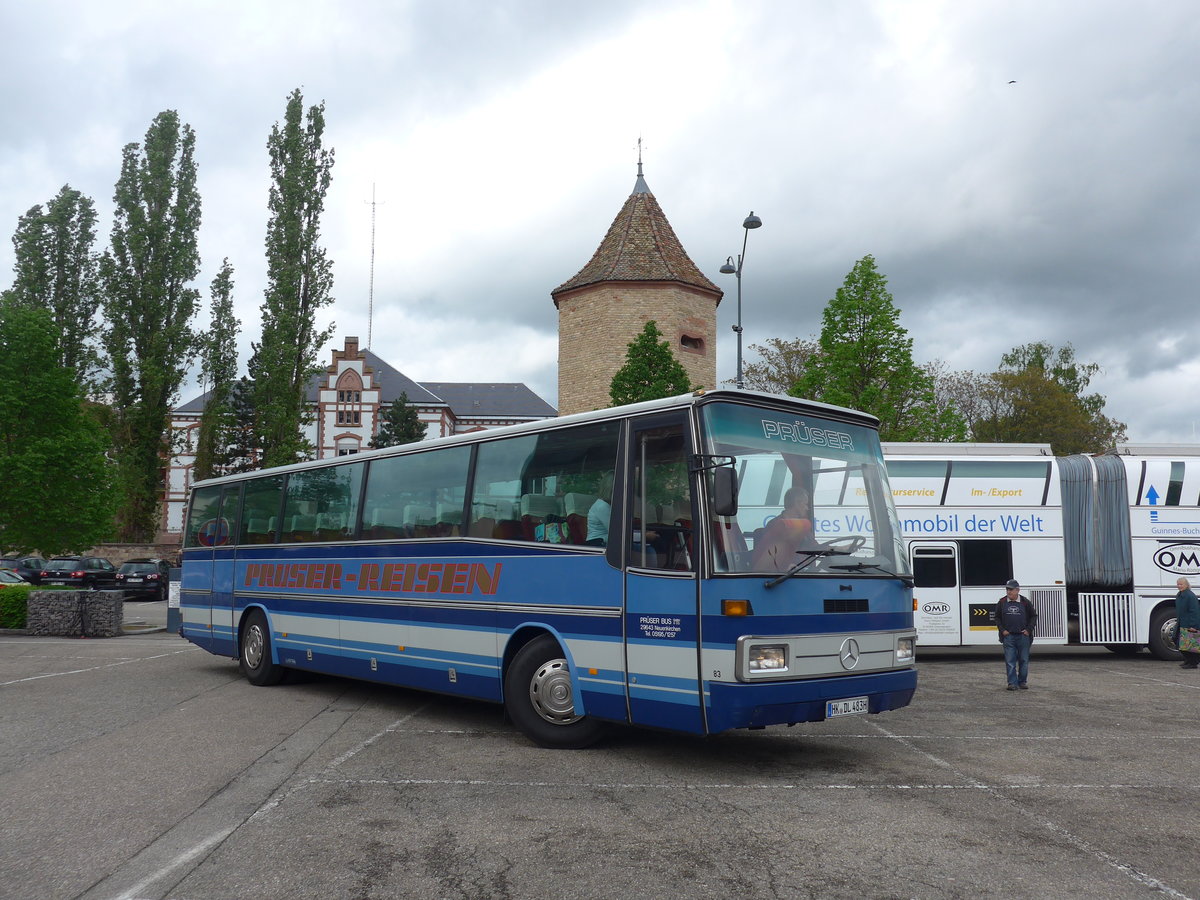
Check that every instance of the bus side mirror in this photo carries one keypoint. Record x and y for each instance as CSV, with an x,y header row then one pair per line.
x,y
725,491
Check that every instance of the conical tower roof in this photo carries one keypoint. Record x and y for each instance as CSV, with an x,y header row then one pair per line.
x,y
640,246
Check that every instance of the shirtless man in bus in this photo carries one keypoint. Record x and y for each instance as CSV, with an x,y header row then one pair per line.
x,y
790,531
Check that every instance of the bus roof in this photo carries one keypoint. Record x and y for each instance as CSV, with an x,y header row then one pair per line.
x,y
946,450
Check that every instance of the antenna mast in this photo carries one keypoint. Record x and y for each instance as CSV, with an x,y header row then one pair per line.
x,y
371,283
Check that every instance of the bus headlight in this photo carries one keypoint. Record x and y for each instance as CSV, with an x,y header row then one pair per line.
x,y
904,649
767,658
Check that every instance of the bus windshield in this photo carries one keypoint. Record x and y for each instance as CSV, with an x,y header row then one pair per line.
x,y
809,489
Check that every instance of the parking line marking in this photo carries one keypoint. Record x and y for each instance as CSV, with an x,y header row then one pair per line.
x,y
123,662
1070,837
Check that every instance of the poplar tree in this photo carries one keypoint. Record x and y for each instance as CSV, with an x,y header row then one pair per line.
x,y
149,309
218,350
400,424
299,278
650,372
55,480
865,362
55,269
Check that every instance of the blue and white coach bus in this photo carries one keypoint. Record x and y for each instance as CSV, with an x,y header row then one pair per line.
x,y
582,570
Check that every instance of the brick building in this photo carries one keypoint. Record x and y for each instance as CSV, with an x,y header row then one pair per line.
x,y
639,272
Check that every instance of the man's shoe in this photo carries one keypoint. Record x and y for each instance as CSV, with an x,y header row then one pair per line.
x,y
1023,687
1012,687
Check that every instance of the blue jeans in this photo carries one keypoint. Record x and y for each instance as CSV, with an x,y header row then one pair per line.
x,y
1016,657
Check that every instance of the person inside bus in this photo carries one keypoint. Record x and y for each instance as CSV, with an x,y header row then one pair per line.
x,y
600,513
1016,619
1187,614
785,535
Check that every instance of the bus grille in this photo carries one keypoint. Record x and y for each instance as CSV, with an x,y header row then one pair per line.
x,y
1051,605
1107,619
846,605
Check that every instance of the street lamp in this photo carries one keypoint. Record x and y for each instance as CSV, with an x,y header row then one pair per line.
x,y
752,221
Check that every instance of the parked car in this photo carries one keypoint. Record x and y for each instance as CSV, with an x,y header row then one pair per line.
x,y
145,579
28,568
9,578
85,572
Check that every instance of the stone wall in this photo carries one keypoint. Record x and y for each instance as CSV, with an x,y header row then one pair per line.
x,y
119,553
75,613
596,325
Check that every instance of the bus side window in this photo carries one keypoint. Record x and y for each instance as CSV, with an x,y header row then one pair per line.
x,y
260,510
202,521
985,563
934,567
417,495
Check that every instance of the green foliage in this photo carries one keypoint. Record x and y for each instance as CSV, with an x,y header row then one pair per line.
x,y
149,308
780,364
650,372
1037,396
14,605
56,486
400,424
55,269
242,453
865,362
218,350
299,278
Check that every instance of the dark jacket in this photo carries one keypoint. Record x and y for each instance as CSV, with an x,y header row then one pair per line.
x,y
1030,615
1187,609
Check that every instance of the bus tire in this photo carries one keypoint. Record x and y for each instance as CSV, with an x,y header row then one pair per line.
x,y
254,651
1162,633
538,697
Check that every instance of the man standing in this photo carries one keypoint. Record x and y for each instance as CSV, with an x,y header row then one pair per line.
x,y
1015,620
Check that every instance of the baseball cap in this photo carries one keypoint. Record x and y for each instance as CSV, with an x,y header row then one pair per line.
x,y
1012,583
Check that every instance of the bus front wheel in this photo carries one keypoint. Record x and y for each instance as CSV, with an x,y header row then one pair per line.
x,y
539,698
255,652
1162,634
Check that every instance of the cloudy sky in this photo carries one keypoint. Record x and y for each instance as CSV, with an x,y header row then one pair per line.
x,y
500,141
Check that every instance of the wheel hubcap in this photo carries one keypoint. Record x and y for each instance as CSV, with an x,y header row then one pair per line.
x,y
550,693
252,646
1168,633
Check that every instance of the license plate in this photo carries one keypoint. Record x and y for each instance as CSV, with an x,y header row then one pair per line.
x,y
851,706
134,580
54,581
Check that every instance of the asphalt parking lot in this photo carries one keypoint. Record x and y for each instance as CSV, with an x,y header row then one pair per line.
x,y
142,767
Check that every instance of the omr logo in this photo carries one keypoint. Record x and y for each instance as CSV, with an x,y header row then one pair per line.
x,y
935,609
1179,559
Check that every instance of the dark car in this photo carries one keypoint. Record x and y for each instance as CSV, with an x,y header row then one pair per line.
x,y
85,572
144,579
28,568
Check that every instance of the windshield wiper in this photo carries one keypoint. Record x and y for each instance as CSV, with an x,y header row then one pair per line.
x,y
861,566
807,557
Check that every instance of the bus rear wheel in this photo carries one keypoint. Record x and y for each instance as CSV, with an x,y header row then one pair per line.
x,y
539,698
1162,634
254,646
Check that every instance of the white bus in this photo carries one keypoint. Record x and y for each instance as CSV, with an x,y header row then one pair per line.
x,y
1097,542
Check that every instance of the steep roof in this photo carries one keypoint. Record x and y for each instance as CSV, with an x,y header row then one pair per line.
x,y
487,401
392,382
640,246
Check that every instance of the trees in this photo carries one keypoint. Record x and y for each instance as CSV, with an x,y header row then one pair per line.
x,y
1037,396
780,364
219,371
399,425
55,269
55,481
865,362
149,308
650,371
299,277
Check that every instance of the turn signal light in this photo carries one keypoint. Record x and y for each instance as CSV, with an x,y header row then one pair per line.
x,y
735,607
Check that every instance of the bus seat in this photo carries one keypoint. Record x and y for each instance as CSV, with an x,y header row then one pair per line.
x,y
302,528
482,527
538,505
416,514
508,530
577,527
577,504
256,531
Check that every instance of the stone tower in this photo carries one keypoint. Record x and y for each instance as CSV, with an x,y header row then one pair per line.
x,y
639,272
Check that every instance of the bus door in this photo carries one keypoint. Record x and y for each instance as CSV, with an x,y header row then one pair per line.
x,y
661,600
200,542
224,636
937,598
